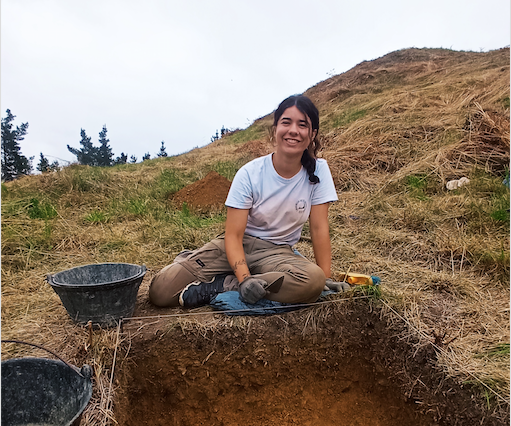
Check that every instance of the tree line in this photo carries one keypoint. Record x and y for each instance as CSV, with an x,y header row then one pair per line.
x,y
15,164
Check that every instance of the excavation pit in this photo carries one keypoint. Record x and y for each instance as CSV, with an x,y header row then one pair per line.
x,y
304,368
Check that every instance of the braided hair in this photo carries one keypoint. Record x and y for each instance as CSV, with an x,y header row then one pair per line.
x,y
306,107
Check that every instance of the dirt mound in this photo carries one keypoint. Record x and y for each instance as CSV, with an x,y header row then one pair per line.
x,y
205,194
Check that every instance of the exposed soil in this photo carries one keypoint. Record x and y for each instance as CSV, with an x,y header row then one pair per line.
x,y
205,194
258,380
327,365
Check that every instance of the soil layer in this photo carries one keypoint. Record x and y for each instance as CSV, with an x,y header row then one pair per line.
x,y
320,366
258,381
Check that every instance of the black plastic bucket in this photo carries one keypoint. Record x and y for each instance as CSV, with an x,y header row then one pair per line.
x,y
40,391
101,293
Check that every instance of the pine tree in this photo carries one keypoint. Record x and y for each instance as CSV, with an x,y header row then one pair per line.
x,y
163,152
133,159
44,164
105,155
88,154
54,167
14,164
122,159
146,156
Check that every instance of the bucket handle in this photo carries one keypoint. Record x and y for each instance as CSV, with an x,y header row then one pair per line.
x,y
86,370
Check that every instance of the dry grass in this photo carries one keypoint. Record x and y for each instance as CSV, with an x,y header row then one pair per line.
x,y
395,131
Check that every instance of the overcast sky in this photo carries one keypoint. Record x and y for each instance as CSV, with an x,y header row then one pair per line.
x,y
176,71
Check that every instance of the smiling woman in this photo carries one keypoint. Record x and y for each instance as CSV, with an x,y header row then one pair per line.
x,y
293,134
296,125
269,201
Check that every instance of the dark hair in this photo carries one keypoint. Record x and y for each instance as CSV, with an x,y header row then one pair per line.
x,y
306,107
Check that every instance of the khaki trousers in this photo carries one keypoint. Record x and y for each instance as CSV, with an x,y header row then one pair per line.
x,y
303,280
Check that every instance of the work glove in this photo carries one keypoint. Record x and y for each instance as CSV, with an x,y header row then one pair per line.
x,y
338,286
252,289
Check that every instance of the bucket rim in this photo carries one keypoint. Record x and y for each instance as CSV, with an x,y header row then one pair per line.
x,y
51,277
60,362
105,286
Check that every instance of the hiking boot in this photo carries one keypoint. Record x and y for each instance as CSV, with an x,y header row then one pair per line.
x,y
199,293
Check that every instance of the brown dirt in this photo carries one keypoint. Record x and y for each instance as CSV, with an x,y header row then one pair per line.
x,y
340,363
207,193
257,380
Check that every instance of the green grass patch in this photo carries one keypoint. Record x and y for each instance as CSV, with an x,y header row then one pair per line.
x,y
416,186
372,291
489,200
138,206
500,203
184,218
348,117
497,351
417,182
255,131
89,179
97,216
168,182
38,210
226,168
500,215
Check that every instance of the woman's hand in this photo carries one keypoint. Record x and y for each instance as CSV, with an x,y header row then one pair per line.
x,y
253,289
320,235
339,286
235,226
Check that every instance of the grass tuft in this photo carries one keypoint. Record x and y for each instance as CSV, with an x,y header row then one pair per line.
x,y
226,168
348,117
38,210
96,216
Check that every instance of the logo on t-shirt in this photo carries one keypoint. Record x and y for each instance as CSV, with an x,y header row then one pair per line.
x,y
300,206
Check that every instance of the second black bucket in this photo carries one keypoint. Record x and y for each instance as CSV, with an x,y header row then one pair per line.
x,y
102,293
39,391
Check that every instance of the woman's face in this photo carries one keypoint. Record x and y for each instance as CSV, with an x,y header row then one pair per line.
x,y
293,132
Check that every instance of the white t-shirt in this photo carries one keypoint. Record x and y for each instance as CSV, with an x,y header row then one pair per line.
x,y
278,207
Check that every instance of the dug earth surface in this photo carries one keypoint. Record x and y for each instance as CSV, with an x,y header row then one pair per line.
x,y
336,364
205,194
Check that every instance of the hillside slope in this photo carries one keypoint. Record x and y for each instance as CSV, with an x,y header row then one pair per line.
x,y
394,130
